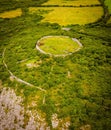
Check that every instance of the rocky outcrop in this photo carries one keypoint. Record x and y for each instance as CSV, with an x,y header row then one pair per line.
x,y
12,115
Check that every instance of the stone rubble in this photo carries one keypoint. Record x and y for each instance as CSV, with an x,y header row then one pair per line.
x,y
55,121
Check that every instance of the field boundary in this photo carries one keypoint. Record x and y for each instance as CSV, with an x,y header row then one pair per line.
x,y
75,6
61,55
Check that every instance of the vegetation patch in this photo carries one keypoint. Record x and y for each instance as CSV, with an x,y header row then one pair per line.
x,y
71,2
11,14
109,21
108,3
33,63
69,15
58,45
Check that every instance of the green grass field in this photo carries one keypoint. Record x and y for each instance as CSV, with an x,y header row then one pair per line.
x,y
58,45
67,15
108,3
72,2
11,14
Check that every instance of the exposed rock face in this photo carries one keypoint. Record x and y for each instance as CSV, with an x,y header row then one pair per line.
x,y
11,110
85,127
12,115
59,123
55,121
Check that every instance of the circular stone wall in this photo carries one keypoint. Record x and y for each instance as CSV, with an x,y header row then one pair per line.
x,y
58,45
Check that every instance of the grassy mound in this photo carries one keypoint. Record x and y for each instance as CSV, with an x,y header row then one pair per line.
x,y
58,45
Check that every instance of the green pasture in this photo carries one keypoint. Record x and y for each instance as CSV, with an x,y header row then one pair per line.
x,y
58,45
67,15
72,2
11,14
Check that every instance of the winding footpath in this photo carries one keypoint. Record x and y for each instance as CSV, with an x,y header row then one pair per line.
x,y
16,78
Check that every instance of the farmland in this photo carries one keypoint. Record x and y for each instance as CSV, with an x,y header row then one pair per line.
x,y
72,2
74,15
42,91
53,15
11,14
